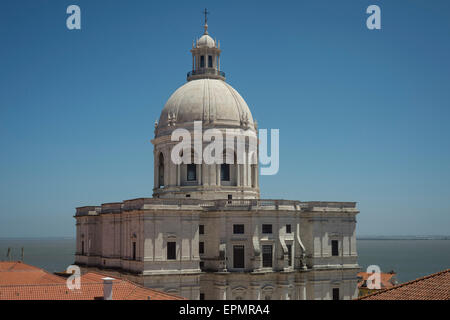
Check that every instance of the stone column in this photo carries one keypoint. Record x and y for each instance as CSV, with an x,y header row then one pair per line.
x,y
301,291
255,292
218,174
221,292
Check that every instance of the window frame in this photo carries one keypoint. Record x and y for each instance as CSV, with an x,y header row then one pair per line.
x,y
240,266
264,260
334,248
210,61
238,225
266,225
169,251
289,247
225,174
191,167
334,295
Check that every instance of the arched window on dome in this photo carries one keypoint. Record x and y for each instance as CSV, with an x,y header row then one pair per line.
x,y
192,169
161,171
225,168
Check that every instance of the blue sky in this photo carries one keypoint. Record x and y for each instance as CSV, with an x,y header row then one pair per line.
x,y
363,115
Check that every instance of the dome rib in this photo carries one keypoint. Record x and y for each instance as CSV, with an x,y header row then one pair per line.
x,y
207,100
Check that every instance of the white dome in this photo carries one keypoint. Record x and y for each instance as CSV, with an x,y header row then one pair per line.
x,y
206,41
206,100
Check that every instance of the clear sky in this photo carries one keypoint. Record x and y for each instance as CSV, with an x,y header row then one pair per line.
x,y
363,114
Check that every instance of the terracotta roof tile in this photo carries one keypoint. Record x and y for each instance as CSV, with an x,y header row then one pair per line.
x,y
432,287
387,279
19,281
12,273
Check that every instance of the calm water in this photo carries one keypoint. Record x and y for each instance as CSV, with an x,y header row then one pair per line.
x,y
411,259
49,254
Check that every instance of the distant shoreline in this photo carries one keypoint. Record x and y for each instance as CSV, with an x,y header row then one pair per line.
x,y
403,238
357,238
37,238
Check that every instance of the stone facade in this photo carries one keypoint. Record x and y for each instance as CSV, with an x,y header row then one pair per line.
x,y
206,234
133,237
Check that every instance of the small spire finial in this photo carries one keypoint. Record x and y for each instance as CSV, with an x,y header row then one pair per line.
x,y
206,20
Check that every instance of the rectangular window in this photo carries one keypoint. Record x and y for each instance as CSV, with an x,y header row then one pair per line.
x,y
201,229
288,228
202,296
171,250
238,256
334,248
202,61
82,248
210,62
134,250
191,172
238,228
201,247
335,293
266,228
289,247
225,172
267,256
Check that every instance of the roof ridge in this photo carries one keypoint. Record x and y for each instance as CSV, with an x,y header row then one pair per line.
x,y
405,283
153,290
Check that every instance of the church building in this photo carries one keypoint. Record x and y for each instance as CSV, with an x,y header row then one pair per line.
x,y
206,233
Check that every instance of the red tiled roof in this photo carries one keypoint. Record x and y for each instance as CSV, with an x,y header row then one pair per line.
x,y
19,281
432,287
16,272
386,279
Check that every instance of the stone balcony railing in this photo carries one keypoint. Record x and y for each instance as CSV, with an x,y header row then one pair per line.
x,y
211,205
205,73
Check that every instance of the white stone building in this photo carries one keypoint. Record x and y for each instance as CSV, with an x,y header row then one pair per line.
x,y
206,234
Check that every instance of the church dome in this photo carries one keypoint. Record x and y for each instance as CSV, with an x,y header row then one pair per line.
x,y
206,41
211,101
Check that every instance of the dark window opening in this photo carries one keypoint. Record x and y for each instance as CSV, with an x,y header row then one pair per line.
x,y
201,229
134,250
201,247
161,171
202,61
171,250
202,296
238,228
266,228
210,62
191,172
335,293
334,247
288,228
238,256
267,256
225,172
289,249
82,248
